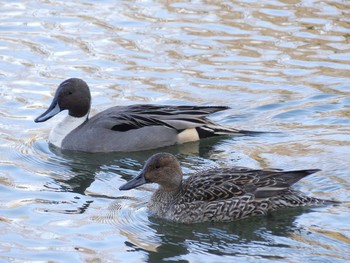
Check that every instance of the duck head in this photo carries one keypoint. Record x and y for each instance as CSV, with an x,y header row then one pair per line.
x,y
73,95
161,168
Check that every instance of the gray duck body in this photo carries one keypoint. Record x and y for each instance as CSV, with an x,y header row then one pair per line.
x,y
126,128
219,194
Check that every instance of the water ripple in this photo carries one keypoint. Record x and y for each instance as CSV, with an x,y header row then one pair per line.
x,y
280,65
129,215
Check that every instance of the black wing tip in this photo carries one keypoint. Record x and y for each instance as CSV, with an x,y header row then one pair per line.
x,y
220,108
292,176
311,171
331,202
257,133
213,108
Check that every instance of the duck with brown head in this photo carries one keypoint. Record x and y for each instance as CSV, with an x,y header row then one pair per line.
x,y
219,194
126,128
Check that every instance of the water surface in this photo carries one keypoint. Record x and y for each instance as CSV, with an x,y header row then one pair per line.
x,y
280,65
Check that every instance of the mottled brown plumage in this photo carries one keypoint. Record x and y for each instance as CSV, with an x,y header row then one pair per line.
x,y
219,194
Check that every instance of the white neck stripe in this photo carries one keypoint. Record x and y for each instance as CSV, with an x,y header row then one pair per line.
x,y
62,129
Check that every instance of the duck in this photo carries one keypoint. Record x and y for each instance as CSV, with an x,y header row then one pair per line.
x,y
219,194
126,128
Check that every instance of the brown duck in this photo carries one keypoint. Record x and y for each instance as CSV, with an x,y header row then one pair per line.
x,y
219,194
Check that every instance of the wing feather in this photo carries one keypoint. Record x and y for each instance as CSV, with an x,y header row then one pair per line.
x,y
226,183
174,117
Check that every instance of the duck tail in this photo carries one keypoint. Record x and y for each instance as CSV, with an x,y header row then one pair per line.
x,y
295,198
207,131
323,202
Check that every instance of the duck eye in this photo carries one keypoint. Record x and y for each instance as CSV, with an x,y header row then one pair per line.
x,y
157,166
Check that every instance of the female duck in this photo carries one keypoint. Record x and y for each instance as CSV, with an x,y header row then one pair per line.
x,y
219,194
128,128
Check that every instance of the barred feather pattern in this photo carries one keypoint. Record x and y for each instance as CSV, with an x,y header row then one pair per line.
x,y
228,194
221,210
221,194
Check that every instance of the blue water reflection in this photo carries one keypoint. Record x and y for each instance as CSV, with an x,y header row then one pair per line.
x,y
281,66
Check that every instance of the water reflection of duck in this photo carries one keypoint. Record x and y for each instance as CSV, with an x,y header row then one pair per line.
x,y
126,128
219,194
241,237
80,169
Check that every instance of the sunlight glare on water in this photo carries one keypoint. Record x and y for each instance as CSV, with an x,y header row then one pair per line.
x,y
281,66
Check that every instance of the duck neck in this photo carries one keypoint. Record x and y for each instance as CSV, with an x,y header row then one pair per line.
x,y
63,128
162,199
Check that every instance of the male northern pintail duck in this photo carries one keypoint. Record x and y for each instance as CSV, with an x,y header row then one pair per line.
x,y
219,194
126,128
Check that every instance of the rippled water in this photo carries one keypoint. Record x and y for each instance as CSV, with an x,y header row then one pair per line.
x,y
280,65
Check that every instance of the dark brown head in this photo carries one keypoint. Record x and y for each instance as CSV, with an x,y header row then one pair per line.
x,y
161,168
73,95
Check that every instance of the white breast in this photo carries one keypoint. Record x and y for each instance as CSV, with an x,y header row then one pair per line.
x,y
62,129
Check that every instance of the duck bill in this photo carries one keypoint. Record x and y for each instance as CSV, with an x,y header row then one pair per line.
x,y
51,111
137,181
